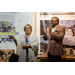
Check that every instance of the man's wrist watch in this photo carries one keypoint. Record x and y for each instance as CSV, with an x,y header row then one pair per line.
x,y
44,34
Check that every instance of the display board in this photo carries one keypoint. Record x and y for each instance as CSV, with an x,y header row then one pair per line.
x,y
67,20
12,23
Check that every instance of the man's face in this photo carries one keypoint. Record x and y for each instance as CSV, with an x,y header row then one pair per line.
x,y
27,29
54,22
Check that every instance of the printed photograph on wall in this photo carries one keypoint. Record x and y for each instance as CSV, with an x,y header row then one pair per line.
x,y
43,45
69,50
69,40
69,26
5,55
7,28
6,42
44,24
69,45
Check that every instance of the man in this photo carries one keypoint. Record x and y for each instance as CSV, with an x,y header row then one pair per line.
x,y
27,45
55,38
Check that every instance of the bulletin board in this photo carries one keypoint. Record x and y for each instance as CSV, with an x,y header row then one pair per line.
x,y
66,20
12,23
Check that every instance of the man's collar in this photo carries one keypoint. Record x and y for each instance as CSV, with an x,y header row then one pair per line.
x,y
55,26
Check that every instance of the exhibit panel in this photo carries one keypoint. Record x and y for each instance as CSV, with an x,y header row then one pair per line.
x,y
12,23
66,20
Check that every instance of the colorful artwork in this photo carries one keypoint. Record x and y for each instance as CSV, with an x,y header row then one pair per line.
x,y
7,28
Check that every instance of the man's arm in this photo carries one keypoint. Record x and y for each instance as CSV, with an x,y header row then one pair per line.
x,y
46,35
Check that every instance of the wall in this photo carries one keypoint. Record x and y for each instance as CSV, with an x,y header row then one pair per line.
x,y
36,25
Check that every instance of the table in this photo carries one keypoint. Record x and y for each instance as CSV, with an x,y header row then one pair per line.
x,y
68,58
41,58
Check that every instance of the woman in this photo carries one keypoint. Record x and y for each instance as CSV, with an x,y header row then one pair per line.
x,y
27,45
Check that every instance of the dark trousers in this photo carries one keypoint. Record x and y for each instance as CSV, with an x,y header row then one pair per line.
x,y
54,58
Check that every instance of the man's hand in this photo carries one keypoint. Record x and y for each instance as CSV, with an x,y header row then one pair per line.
x,y
50,30
44,30
24,46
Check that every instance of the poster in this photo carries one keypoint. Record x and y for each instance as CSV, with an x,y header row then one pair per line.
x,y
12,23
5,54
67,20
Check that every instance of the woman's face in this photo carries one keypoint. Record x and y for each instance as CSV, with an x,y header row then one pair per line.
x,y
27,29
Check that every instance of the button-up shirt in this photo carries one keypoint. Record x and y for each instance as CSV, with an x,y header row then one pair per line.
x,y
54,28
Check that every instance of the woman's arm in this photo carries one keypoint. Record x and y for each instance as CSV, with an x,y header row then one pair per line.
x,y
12,37
15,41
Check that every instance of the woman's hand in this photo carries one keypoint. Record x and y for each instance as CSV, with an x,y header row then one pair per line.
x,y
50,30
12,37
24,46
